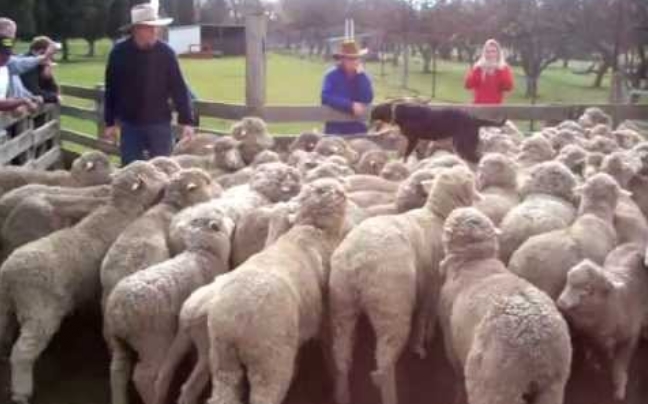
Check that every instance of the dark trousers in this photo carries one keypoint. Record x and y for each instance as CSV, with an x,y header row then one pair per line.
x,y
155,139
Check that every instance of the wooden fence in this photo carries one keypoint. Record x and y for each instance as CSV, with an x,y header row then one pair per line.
x,y
31,140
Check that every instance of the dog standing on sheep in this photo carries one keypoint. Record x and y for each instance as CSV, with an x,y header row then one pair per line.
x,y
394,281
506,341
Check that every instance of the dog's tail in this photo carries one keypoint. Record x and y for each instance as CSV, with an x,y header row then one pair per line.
x,y
489,122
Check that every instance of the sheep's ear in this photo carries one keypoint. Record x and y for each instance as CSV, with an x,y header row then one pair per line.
x,y
427,186
191,186
625,192
478,197
89,165
498,232
137,184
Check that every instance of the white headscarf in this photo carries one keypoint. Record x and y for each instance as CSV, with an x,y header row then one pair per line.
x,y
487,66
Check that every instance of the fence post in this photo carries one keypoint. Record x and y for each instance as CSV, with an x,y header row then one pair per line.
x,y
99,108
255,44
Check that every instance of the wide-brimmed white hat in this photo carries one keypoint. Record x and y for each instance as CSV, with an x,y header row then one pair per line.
x,y
147,14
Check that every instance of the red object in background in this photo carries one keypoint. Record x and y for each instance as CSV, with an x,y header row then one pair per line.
x,y
489,88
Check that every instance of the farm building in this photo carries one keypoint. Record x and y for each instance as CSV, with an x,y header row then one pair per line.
x,y
206,39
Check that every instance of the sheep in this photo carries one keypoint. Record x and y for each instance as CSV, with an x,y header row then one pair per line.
x,y
305,161
336,146
638,185
564,138
411,193
630,224
573,157
601,144
144,242
290,275
201,144
166,164
593,163
363,146
394,282
47,279
305,141
365,199
270,183
534,150
545,259
548,204
327,170
142,310
395,171
225,158
504,338
363,182
91,168
602,130
372,162
610,306
497,183
627,138
243,176
252,133
571,125
593,116
498,143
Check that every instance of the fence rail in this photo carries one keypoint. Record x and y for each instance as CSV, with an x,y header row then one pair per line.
x,y
549,113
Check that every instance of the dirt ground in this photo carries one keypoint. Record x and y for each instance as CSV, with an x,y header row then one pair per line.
x,y
74,370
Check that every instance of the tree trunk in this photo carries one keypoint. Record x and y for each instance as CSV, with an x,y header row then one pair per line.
x,y
531,87
566,63
92,48
426,55
65,50
600,73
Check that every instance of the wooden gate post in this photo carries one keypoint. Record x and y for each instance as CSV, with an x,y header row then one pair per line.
x,y
99,108
255,44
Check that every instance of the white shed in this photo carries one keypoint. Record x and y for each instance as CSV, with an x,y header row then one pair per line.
x,y
183,38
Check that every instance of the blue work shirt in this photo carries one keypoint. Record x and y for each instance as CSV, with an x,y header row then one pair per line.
x,y
339,92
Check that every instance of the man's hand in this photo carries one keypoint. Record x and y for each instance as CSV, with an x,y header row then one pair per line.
x,y
110,134
31,105
187,132
359,109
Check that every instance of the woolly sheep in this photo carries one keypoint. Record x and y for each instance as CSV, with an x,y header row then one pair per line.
x,y
610,306
394,282
498,143
166,164
225,158
593,116
573,157
327,170
243,176
372,162
336,146
564,138
291,276
270,183
601,130
305,141
91,168
497,183
201,144
411,193
534,150
627,138
46,280
571,125
602,144
593,163
144,242
253,134
505,339
305,161
363,146
638,185
545,259
142,311
360,182
548,204
395,171
365,199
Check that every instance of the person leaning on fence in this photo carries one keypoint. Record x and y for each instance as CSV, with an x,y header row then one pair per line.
x,y
142,75
40,81
13,97
347,88
491,77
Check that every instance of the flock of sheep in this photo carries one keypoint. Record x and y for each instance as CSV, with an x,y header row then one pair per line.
x,y
243,254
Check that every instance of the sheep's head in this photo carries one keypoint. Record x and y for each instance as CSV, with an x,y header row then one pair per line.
x,y
395,171
564,138
572,126
627,138
498,143
551,178
305,161
411,193
276,181
602,144
593,163
252,133
372,162
322,204
266,156
574,157
328,170
621,166
330,146
535,149
166,164
585,296
470,234
600,194
211,232
227,155
306,141
601,130
189,187
92,168
339,160
593,116
641,152
138,186
451,188
202,144
496,170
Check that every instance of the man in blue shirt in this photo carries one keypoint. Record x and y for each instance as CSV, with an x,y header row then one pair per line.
x,y
347,88
142,76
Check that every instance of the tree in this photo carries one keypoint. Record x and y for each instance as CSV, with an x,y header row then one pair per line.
x,y
94,24
214,12
22,12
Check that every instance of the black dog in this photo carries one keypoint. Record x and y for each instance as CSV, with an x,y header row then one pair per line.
x,y
420,122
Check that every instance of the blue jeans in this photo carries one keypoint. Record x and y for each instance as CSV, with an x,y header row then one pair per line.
x,y
157,139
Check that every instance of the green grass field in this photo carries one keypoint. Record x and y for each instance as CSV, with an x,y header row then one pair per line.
x,y
292,80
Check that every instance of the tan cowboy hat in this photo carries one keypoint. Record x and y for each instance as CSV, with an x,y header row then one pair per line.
x,y
147,14
349,50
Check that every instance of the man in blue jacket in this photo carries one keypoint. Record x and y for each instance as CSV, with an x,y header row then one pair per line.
x,y
347,88
142,76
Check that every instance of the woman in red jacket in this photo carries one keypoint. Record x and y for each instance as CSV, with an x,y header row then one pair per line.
x,y
491,76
